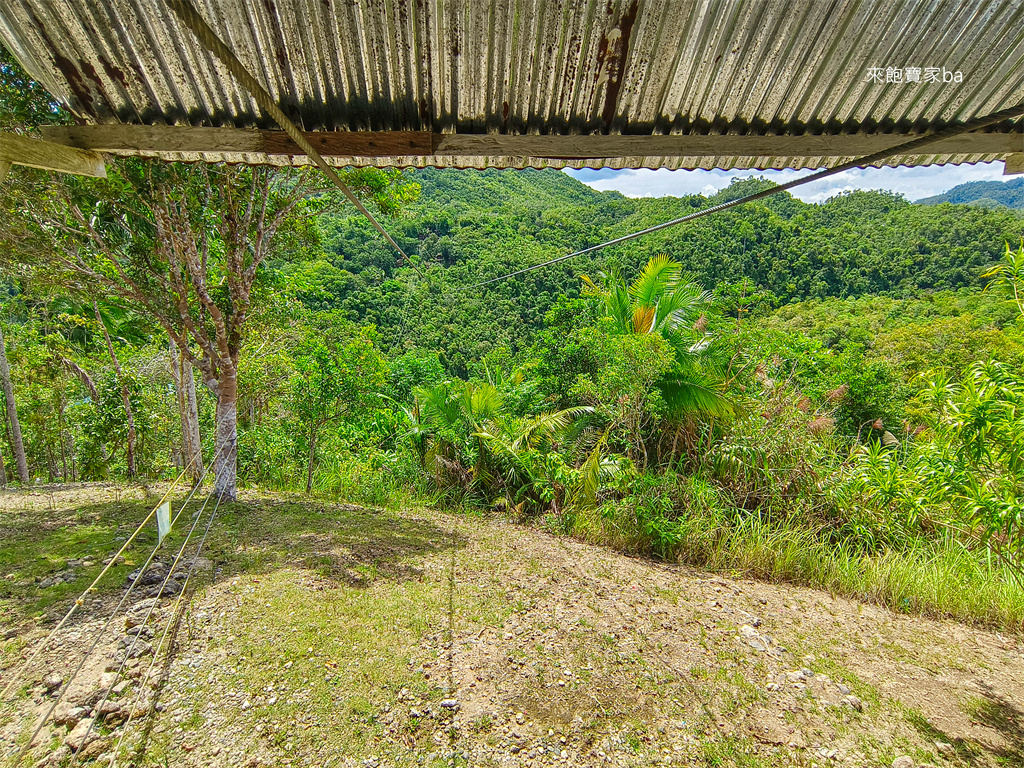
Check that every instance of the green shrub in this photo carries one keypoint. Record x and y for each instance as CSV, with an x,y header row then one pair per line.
x,y
267,456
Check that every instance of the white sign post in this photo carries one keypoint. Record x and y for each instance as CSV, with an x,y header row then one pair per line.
x,y
163,521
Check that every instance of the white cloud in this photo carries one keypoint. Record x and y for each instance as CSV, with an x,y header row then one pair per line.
x,y
915,182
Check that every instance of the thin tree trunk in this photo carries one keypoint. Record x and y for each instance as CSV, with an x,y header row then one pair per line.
x,y
3,471
90,385
17,444
7,431
309,466
126,401
195,445
63,445
83,376
225,463
185,386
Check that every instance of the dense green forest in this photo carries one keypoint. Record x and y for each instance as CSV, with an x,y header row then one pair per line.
x,y
471,226
987,194
824,393
865,279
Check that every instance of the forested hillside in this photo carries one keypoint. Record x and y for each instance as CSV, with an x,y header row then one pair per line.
x,y
470,226
985,194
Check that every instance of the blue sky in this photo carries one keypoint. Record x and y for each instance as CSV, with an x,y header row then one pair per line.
x,y
915,183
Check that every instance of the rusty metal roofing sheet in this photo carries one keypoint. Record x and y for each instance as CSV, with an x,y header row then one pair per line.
x,y
765,67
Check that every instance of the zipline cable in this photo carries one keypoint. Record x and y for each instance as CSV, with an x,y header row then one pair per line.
x,y
907,148
81,598
191,18
156,651
102,630
145,622
96,639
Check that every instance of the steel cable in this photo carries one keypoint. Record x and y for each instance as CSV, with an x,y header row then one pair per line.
x,y
145,622
907,148
156,651
96,639
81,598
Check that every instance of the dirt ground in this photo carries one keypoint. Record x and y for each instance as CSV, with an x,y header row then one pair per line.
x,y
315,634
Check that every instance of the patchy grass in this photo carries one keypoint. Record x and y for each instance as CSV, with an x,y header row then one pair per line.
x,y
307,653
1003,716
37,542
250,537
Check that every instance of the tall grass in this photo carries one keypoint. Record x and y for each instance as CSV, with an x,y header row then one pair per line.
x,y
939,578
376,479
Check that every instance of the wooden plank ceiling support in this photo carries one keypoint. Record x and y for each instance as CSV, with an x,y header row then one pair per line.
x,y
49,156
158,140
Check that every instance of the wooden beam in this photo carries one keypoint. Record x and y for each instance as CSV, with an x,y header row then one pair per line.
x,y
4,168
154,138
50,156
173,140
584,147
162,139
353,143
1014,164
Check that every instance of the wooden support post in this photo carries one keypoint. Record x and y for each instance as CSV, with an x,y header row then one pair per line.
x,y
4,168
49,156
1014,164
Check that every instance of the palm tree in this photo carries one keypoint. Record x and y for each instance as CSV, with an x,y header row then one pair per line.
x,y
660,301
535,456
445,420
464,436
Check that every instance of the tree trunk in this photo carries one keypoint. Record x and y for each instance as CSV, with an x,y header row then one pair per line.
x,y
90,385
125,400
63,444
312,456
185,386
17,444
83,376
225,462
3,471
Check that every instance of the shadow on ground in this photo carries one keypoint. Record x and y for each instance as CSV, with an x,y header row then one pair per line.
x,y
995,712
1006,719
341,544
335,545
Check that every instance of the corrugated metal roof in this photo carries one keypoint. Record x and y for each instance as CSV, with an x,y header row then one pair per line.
x,y
764,67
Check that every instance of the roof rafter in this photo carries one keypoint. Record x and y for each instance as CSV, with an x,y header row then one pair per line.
x,y
163,139
48,156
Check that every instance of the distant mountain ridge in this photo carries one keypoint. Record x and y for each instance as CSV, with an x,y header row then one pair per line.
x,y
985,194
